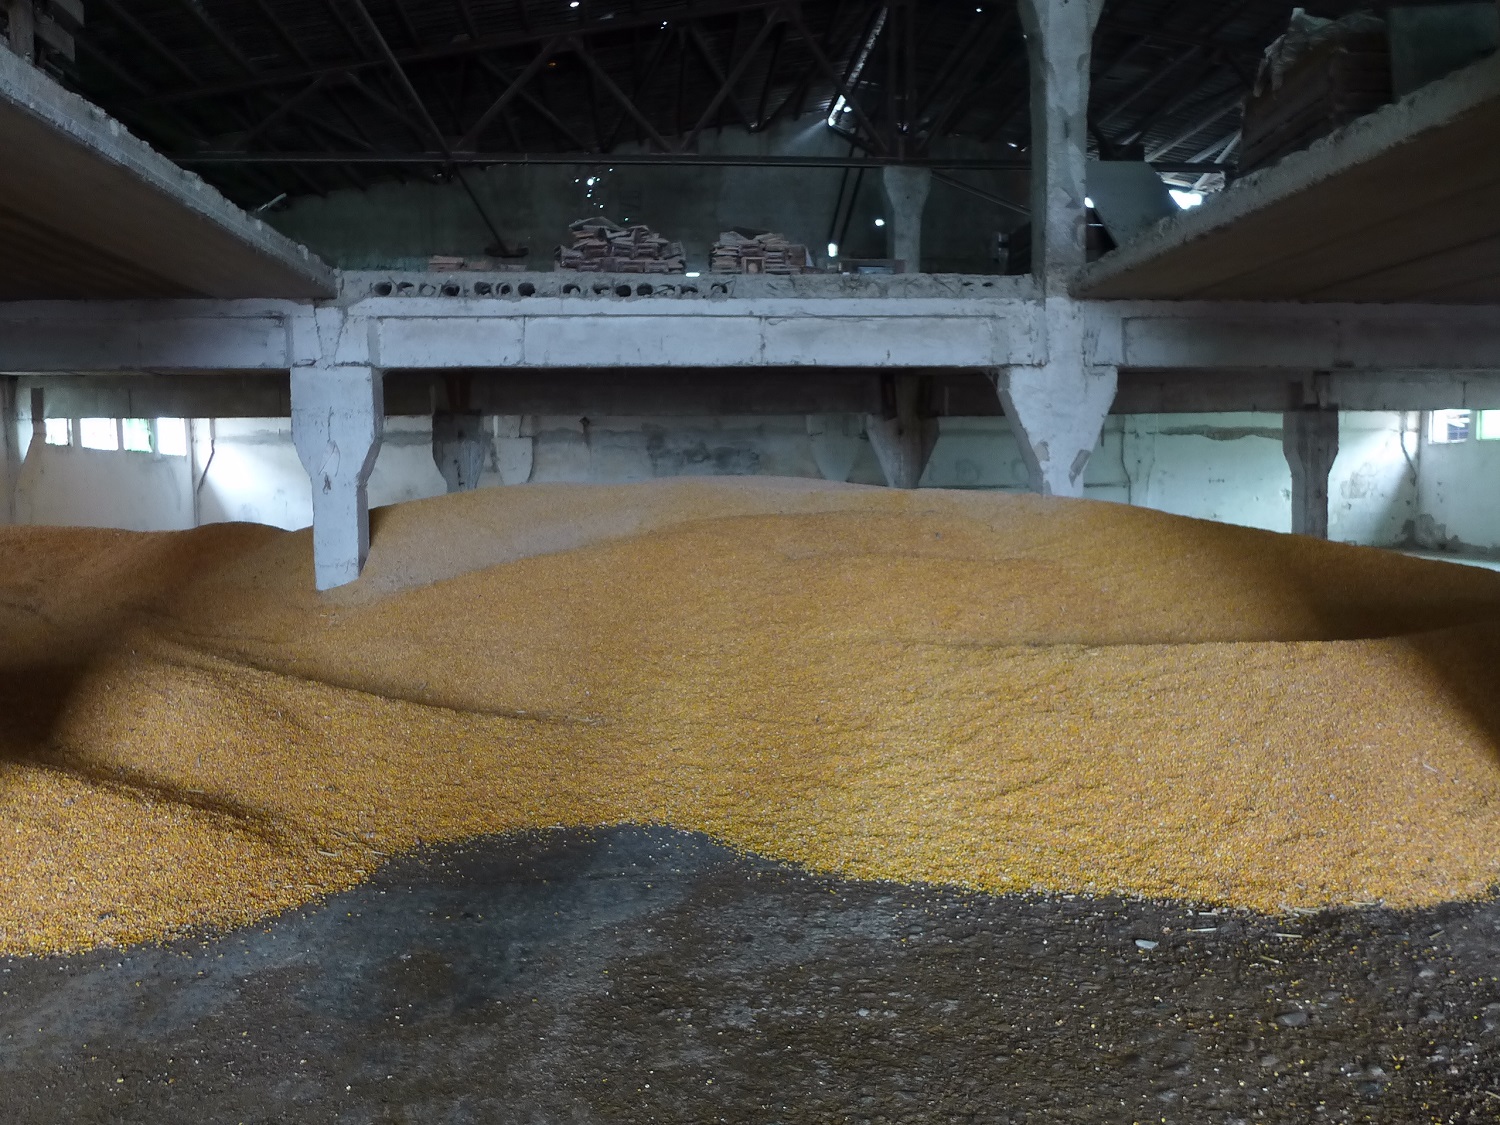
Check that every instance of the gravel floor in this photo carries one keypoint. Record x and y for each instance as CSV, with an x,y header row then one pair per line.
x,y
633,975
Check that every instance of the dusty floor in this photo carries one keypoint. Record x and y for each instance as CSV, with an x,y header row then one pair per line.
x,y
649,975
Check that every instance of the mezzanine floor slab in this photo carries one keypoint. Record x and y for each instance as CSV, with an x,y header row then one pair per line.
x,y
89,211
1397,206
651,975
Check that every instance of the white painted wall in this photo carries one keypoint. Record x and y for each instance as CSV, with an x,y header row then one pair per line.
x,y
90,488
1460,495
1225,467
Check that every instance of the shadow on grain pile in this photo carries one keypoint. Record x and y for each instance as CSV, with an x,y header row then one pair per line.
x,y
996,692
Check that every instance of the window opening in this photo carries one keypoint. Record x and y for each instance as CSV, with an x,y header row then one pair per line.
x,y
171,437
1489,425
59,431
137,434
1451,426
98,433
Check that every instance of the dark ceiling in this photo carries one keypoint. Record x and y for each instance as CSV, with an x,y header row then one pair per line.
x,y
265,97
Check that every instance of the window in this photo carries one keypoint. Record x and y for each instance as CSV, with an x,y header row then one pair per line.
x,y
171,437
59,431
137,434
1449,426
1489,425
98,433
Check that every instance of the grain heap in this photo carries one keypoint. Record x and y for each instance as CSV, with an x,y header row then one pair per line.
x,y
600,246
999,692
746,251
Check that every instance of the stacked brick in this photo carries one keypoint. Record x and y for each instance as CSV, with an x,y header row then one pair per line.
x,y
600,246
757,252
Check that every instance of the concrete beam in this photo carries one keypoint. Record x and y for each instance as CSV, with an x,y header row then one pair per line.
x,y
1310,439
115,395
87,210
1273,392
1246,335
829,332
338,418
1060,43
829,396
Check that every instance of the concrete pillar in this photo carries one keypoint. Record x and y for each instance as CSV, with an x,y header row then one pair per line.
x,y
515,447
903,440
1310,440
21,18
460,446
837,441
338,417
1058,416
906,191
10,451
1060,43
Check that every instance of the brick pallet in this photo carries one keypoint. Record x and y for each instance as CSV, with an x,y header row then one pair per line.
x,y
600,246
756,252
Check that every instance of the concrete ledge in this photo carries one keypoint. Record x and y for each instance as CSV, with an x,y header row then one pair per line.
x,y
360,285
1397,206
88,210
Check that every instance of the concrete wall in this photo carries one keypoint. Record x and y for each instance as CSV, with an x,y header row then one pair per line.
x,y
1226,467
1460,496
91,488
401,225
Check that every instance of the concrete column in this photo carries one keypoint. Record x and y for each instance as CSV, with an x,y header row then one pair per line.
x,y
460,446
837,441
1060,43
21,16
902,439
1310,440
515,447
338,417
10,452
906,191
1057,408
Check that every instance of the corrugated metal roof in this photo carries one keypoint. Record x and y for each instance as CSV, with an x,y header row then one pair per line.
x,y
309,76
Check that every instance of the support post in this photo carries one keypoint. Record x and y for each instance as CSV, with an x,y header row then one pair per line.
x,y
1057,414
1310,440
515,448
836,441
1060,43
21,16
906,191
460,446
338,417
902,438
10,451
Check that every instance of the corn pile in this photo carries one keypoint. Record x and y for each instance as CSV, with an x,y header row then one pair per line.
x,y
998,692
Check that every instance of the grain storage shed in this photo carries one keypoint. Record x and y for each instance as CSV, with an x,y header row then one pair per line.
x,y
980,640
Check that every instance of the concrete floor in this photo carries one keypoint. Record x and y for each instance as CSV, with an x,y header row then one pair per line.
x,y
636,975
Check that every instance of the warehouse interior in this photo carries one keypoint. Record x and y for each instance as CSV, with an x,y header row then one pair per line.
x,y
454,326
